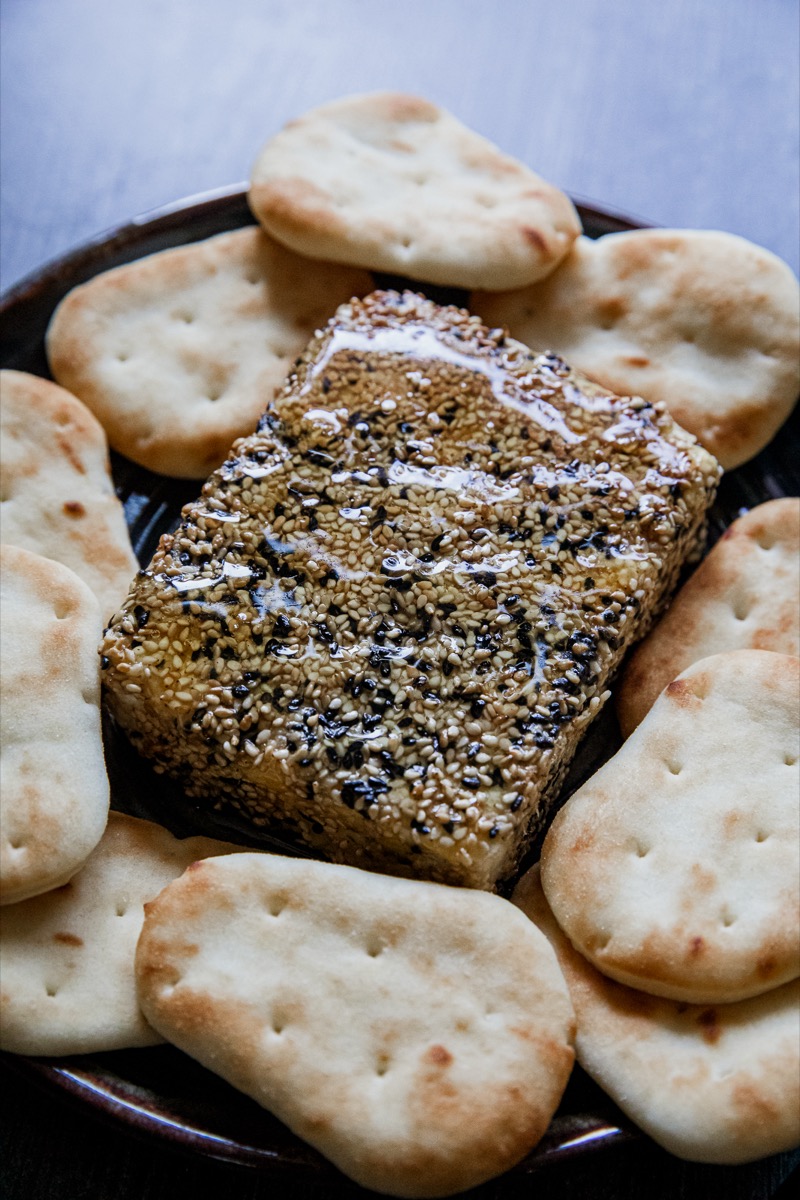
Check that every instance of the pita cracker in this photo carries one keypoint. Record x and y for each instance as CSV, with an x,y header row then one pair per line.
x,y
676,868
713,1085
54,782
744,596
394,183
704,322
58,497
67,957
178,354
415,1034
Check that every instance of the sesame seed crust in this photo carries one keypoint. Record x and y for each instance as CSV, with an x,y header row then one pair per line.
x,y
392,612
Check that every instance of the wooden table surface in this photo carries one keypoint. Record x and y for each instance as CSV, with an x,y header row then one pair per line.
x,y
682,112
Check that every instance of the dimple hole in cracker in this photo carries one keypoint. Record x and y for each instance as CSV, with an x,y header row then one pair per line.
x,y
789,759
741,607
120,908
62,609
171,983
122,356
642,851
275,906
673,767
382,1065
374,945
761,836
727,918
51,990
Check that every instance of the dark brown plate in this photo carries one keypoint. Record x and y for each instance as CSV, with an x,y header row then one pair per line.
x,y
160,1092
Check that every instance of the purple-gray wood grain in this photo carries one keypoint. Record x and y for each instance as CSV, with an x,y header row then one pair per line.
x,y
683,112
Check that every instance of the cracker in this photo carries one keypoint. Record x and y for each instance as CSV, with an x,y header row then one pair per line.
x,y
417,1035
54,782
394,183
744,596
714,1085
180,353
676,868
705,322
58,497
67,957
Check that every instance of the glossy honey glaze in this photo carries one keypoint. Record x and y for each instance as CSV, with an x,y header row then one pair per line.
x,y
396,606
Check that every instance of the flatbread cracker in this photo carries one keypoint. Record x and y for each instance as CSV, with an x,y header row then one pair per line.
x,y
705,322
54,784
394,183
714,1085
676,868
744,596
67,984
180,353
415,1034
58,497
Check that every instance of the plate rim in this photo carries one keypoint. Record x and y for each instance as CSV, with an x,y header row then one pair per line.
x,y
170,215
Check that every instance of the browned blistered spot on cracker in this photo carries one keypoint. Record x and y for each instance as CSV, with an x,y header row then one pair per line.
x,y
765,966
438,1055
637,360
68,450
68,939
750,1101
697,947
686,692
535,238
779,636
703,880
611,309
400,107
74,508
709,1027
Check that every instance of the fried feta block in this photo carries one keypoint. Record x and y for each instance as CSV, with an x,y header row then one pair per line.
x,y
392,613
